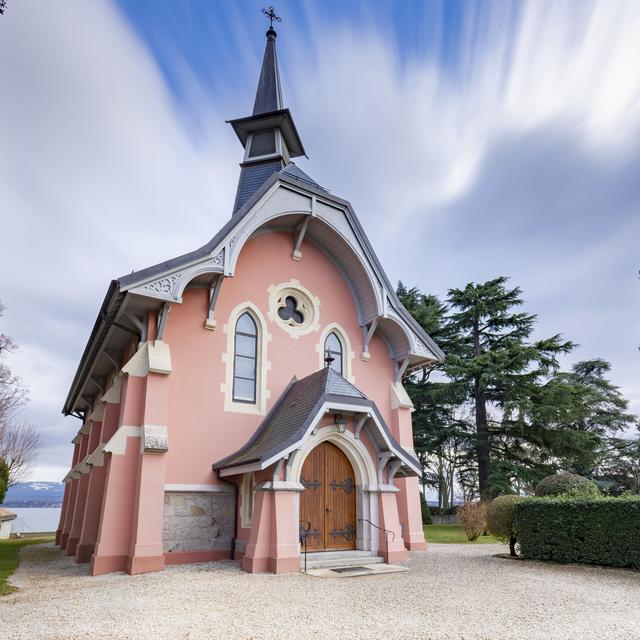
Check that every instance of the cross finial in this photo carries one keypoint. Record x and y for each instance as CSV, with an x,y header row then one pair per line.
x,y
271,14
329,359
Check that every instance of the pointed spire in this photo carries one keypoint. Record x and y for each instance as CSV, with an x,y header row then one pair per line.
x,y
269,92
269,136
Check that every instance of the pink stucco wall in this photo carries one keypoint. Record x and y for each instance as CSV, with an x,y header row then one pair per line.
x,y
200,431
191,403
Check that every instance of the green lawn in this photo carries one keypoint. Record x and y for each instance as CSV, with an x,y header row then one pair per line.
x,y
452,533
9,559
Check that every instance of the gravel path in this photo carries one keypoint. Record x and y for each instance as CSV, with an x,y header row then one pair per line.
x,y
450,591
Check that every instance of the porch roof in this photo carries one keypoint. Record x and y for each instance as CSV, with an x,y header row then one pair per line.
x,y
293,415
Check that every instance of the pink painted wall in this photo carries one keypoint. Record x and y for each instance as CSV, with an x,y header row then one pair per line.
x,y
200,431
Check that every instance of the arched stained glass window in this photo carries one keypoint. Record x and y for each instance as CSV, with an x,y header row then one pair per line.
x,y
333,349
245,359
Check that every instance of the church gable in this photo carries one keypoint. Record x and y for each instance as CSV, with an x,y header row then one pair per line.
x,y
192,360
275,194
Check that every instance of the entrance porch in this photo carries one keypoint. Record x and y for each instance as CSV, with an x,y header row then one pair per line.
x,y
320,470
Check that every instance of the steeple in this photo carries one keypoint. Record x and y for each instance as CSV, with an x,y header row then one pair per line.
x,y
269,135
269,92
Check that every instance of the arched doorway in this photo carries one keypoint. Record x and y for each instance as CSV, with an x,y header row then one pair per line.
x,y
328,502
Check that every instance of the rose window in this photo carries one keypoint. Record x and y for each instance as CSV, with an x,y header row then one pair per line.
x,y
294,308
290,311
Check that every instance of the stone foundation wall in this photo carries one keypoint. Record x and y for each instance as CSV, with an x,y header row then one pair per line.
x,y
241,545
198,521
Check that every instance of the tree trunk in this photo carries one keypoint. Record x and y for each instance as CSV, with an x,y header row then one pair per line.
x,y
512,546
482,434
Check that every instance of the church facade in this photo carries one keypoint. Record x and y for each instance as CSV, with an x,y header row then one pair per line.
x,y
245,400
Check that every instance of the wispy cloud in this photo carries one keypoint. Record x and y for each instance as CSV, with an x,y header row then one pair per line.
x,y
516,156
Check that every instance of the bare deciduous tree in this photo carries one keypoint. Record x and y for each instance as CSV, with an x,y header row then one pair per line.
x,y
12,392
20,444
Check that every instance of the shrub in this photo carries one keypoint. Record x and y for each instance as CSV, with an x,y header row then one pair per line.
x,y
569,484
472,516
501,519
603,531
448,511
426,513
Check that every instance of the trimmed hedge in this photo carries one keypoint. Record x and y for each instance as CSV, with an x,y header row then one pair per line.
x,y
604,531
567,484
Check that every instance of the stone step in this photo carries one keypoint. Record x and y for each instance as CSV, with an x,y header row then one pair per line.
x,y
350,560
330,555
361,571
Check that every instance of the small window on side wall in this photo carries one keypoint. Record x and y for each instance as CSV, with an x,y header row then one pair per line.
x,y
333,349
245,359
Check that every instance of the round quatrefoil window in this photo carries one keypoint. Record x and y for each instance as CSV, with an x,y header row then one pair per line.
x,y
294,308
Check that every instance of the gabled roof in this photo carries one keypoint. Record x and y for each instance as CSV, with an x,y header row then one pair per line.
x,y
336,230
5,514
294,171
294,413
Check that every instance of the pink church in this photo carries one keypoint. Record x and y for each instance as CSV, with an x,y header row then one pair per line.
x,y
244,400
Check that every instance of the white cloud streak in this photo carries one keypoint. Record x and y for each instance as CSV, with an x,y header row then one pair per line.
x,y
520,161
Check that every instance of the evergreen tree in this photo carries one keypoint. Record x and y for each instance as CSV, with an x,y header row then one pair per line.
x,y
597,413
498,413
440,438
4,479
493,363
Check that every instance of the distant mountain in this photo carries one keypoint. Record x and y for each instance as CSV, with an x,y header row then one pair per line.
x,y
34,494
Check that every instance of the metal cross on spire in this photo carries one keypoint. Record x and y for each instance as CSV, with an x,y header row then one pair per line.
x,y
271,14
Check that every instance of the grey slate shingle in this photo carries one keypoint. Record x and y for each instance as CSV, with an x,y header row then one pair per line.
x,y
292,414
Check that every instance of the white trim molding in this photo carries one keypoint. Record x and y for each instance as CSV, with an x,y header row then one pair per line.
x,y
347,353
112,394
151,357
247,491
96,459
117,444
262,365
308,304
226,488
367,537
399,397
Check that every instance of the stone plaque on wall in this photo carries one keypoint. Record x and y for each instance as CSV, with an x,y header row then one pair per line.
x,y
155,439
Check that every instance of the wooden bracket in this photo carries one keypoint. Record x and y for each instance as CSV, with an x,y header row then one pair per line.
x,y
401,368
162,320
368,334
299,237
214,291
359,424
392,469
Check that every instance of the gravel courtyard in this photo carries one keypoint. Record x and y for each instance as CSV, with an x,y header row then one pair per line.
x,y
450,591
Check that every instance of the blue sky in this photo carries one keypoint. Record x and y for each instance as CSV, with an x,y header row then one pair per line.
x,y
474,139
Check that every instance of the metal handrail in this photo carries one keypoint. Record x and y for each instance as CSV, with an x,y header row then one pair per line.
x,y
304,534
393,539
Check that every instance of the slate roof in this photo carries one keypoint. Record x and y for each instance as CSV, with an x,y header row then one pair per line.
x,y
294,171
252,177
289,419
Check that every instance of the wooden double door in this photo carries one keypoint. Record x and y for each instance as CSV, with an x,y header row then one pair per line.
x,y
328,502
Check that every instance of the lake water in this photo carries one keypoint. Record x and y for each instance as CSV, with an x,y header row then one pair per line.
x,y
43,519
